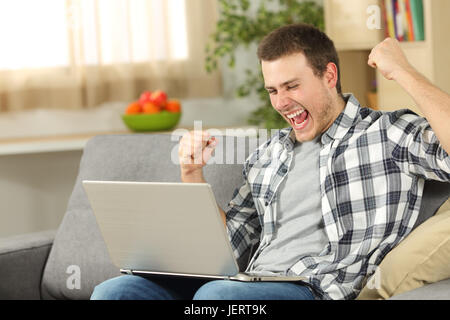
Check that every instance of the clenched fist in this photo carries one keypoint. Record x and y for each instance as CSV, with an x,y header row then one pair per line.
x,y
196,148
389,59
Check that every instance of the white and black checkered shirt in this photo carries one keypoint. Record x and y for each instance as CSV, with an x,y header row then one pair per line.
x,y
373,166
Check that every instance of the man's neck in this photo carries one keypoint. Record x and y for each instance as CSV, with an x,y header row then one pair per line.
x,y
340,103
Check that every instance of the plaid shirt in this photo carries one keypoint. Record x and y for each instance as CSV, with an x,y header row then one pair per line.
x,y
373,166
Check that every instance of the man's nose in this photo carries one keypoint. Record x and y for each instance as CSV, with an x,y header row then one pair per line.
x,y
282,102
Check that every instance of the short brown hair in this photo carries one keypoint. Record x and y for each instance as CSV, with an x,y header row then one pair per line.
x,y
318,49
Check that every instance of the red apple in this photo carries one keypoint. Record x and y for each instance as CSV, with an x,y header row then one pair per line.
x,y
145,97
159,98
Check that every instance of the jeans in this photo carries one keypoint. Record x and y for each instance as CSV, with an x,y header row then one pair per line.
x,y
130,287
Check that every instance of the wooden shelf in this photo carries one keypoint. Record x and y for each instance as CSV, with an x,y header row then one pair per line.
x,y
30,145
429,57
76,142
345,22
413,44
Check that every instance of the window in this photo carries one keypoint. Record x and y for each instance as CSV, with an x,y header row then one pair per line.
x,y
70,54
33,34
54,33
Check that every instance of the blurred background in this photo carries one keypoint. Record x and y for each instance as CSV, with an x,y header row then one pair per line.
x,y
70,68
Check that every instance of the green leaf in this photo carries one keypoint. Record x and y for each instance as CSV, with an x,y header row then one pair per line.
x,y
237,28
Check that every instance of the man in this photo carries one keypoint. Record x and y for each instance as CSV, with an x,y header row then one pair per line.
x,y
330,196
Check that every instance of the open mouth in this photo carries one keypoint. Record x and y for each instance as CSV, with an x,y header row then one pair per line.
x,y
299,119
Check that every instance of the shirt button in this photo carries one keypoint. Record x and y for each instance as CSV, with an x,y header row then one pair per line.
x,y
267,203
288,146
284,170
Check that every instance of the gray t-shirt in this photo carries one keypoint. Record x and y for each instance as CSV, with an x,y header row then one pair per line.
x,y
300,230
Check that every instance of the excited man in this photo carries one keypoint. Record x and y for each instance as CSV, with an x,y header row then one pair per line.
x,y
330,196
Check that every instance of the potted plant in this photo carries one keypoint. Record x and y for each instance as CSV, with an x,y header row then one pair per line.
x,y
240,24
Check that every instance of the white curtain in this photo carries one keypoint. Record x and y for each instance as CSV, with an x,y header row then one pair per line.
x,y
79,53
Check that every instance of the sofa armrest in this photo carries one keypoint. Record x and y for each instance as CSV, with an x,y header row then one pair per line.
x,y
434,291
22,262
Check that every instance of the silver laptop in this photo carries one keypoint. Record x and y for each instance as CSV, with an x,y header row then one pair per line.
x,y
166,229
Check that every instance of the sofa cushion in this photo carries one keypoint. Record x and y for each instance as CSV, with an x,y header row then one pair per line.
x,y
22,260
421,258
434,291
79,260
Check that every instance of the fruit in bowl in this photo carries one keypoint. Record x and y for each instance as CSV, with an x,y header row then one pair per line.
x,y
152,112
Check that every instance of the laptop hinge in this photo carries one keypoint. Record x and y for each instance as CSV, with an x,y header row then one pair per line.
x,y
126,271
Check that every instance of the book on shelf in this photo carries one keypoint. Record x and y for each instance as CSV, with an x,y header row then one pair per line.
x,y
403,19
389,20
409,21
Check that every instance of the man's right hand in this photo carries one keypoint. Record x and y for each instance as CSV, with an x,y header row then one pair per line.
x,y
196,148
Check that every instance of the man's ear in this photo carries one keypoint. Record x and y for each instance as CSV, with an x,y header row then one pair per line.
x,y
331,75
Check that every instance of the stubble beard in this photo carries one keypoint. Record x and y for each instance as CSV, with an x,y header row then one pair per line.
x,y
324,120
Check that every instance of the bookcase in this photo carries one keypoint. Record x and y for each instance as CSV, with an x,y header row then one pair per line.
x,y
345,23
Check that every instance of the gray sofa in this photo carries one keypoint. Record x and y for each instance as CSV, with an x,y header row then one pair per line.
x,y
69,262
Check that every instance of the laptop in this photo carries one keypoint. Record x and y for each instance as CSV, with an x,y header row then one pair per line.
x,y
166,229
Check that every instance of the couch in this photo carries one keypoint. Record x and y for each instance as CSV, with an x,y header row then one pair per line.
x,y
69,262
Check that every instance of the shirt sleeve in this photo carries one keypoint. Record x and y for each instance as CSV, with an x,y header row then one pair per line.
x,y
242,220
416,148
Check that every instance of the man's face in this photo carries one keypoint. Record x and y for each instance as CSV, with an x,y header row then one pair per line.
x,y
303,99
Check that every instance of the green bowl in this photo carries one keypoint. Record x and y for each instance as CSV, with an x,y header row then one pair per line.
x,y
163,120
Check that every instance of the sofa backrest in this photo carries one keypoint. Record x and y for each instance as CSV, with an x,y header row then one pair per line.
x,y
79,260
435,193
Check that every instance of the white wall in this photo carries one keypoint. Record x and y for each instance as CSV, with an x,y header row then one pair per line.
x,y
34,190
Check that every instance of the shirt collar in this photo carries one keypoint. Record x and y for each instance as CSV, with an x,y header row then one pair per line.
x,y
344,121
288,138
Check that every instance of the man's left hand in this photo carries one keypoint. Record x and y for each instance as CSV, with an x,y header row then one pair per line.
x,y
389,58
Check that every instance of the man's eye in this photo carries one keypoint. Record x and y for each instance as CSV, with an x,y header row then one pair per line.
x,y
292,87
271,91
